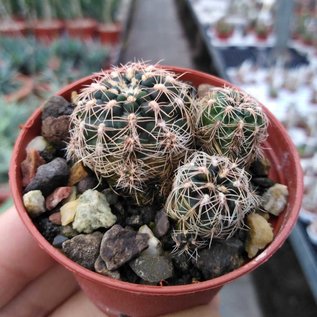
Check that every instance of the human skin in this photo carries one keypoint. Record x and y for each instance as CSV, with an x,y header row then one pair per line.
x,y
34,285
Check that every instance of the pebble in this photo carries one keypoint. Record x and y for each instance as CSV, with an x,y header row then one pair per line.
x,y
30,165
134,221
55,218
155,246
34,202
83,249
101,268
68,212
89,182
120,245
274,199
152,268
162,224
58,195
38,144
260,234
48,229
111,196
68,231
49,176
222,257
93,212
77,173
56,106
56,130
58,241
260,167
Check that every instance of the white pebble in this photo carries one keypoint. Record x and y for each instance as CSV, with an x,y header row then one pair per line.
x,y
34,202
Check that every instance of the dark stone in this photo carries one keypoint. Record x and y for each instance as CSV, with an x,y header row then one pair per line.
x,y
101,268
56,130
221,258
57,106
50,176
120,245
83,249
152,268
161,224
148,214
69,232
111,196
48,229
263,182
260,168
134,221
58,241
181,262
89,182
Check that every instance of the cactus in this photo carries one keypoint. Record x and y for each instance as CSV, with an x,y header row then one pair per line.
x,y
231,123
132,125
209,199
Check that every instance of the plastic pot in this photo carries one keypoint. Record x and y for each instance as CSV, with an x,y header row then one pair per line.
x,y
114,297
13,28
81,28
47,30
109,33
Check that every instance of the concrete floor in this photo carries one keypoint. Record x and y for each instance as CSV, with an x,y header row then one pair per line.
x,y
156,35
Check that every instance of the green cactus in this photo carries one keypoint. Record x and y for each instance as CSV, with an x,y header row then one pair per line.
x,y
231,123
210,198
132,125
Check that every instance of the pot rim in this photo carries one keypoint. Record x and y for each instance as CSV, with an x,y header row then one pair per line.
x,y
217,282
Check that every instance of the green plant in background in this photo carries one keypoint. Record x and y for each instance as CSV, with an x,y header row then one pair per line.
x,y
8,82
103,11
132,125
231,123
12,115
209,199
26,55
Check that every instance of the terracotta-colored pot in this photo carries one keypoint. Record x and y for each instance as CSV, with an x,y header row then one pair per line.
x,y
81,28
47,30
114,297
13,28
109,33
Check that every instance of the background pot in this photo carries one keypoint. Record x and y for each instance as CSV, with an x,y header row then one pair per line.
x,y
109,33
13,28
113,296
47,30
81,28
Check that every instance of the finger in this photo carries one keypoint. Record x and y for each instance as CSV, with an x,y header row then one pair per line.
x,y
43,295
78,305
21,259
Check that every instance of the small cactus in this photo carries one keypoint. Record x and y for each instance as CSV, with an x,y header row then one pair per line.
x,y
210,198
132,125
231,123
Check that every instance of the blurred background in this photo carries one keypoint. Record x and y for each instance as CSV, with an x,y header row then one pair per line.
x,y
266,47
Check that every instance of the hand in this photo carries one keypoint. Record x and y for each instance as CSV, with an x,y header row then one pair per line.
x,y
33,285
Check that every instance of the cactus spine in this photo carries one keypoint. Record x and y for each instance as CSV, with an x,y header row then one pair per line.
x,y
231,123
210,198
132,125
